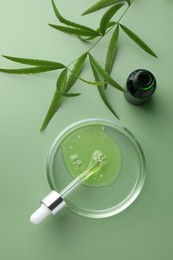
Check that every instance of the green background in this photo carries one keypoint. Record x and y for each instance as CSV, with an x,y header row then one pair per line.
x,y
145,229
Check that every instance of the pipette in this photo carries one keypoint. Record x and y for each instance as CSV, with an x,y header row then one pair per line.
x,y
54,202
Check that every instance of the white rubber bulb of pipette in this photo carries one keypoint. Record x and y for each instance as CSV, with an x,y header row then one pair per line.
x,y
40,214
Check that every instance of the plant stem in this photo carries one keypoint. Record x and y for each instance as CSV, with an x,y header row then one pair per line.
x,y
125,12
120,17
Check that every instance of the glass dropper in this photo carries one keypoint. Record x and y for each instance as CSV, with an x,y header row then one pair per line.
x,y
54,201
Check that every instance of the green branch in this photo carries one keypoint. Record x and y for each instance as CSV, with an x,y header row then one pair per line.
x,y
68,76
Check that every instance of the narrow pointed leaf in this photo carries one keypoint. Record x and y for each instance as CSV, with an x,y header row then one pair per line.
x,y
111,23
86,39
70,94
69,23
77,69
129,2
36,62
64,85
107,17
111,52
62,79
91,82
105,100
104,74
102,92
99,5
57,98
56,101
61,84
138,40
33,70
71,30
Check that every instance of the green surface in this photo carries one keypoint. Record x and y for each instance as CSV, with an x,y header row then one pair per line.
x,y
80,148
145,229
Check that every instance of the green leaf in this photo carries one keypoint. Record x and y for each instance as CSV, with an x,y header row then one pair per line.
x,y
104,22
62,79
91,82
102,92
74,31
86,39
138,40
77,69
129,2
32,70
56,101
33,62
70,94
63,86
60,92
72,24
111,23
99,5
104,74
57,98
112,49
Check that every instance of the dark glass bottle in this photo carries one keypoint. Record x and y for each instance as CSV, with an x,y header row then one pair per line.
x,y
140,86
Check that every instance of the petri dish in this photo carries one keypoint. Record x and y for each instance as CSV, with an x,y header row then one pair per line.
x,y
103,200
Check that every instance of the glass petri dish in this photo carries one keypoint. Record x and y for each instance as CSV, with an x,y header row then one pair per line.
x,y
107,200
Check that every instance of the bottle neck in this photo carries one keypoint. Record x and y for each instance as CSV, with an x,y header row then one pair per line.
x,y
141,84
143,80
